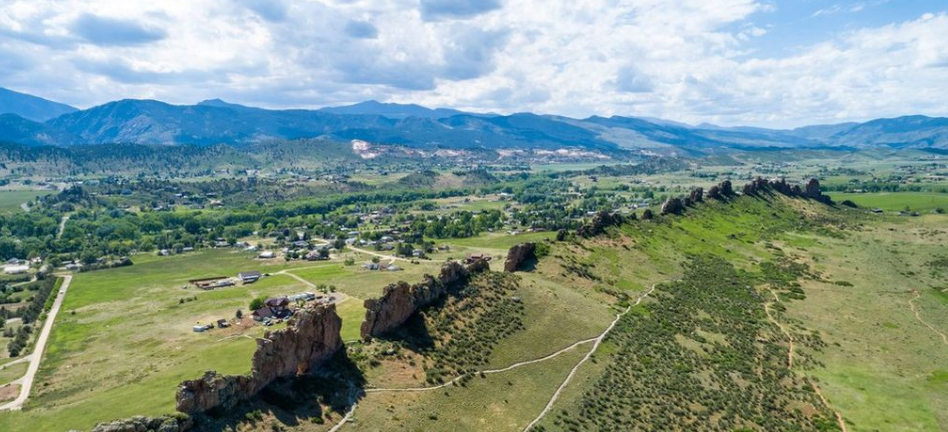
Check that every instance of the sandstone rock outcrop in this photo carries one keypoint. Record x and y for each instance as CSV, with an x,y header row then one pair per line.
x,y
518,255
722,191
311,337
147,424
811,191
400,300
673,206
599,223
696,195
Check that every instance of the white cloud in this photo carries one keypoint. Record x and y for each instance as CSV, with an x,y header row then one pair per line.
x,y
686,60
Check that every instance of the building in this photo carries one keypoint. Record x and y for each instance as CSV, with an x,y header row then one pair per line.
x,y
249,277
13,269
211,282
268,255
472,257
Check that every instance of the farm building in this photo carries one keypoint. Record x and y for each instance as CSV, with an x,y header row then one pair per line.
x,y
267,255
249,276
211,282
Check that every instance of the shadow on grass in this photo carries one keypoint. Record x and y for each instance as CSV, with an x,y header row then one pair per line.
x,y
323,396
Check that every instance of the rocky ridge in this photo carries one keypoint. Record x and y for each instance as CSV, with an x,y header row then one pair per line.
x,y
311,337
400,300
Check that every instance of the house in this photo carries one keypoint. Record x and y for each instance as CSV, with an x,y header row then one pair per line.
x,y
200,328
13,269
73,267
249,277
278,306
371,266
164,252
222,323
262,314
473,257
267,255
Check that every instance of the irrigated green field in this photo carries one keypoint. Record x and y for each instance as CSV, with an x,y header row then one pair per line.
x,y
897,201
11,200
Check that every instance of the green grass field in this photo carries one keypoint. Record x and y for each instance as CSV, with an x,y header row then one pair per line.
x,y
897,201
10,200
123,340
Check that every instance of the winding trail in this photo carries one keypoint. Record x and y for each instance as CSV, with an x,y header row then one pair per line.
x,y
782,329
816,388
26,382
839,417
918,316
572,373
598,339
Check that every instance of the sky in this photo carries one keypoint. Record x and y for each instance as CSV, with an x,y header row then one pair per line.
x,y
771,63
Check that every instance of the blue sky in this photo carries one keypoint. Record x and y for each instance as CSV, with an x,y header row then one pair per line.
x,y
776,63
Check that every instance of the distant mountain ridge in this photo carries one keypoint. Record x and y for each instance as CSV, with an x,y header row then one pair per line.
x,y
218,122
31,107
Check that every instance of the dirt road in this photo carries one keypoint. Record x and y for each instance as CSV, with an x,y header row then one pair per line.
x,y
26,382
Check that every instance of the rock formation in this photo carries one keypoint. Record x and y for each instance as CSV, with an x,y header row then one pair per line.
x,y
518,255
311,337
696,195
673,206
147,424
599,223
811,191
722,191
400,300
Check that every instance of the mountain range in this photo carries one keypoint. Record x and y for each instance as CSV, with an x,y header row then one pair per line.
x,y
29,120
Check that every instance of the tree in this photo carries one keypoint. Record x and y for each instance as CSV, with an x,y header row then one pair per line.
x,y
257,303
239,314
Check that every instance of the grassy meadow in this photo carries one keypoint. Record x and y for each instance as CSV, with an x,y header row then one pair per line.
x,y
11,200
897,201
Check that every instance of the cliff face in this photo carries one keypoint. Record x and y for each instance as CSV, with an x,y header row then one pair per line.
x,y
518,255
311,337
400,300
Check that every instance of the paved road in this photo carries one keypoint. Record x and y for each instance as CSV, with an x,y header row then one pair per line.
x,y
26,383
